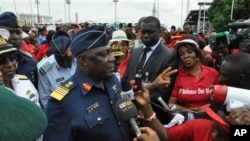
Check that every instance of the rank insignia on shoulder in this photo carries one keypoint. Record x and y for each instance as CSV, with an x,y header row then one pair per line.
x,y
21,77
60,92
43,69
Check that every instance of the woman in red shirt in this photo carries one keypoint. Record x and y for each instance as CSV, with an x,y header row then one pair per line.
x,y
191,89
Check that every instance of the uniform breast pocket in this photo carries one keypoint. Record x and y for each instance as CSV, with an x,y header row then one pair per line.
x,y
98,119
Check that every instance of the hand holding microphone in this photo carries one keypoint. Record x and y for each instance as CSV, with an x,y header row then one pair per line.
x,y
142,96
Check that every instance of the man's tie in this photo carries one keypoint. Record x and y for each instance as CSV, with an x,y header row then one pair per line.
x,y
143,58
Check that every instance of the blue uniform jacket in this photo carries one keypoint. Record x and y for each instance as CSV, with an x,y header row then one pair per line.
x,y
27,66
86,113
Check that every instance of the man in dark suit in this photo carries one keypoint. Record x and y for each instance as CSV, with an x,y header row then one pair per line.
x,y
157,58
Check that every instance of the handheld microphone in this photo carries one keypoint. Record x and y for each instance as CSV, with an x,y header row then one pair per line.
x,y
231,96
138,80
127,91
126,110
163,103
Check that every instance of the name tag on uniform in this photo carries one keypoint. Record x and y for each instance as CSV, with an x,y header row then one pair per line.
x,y
59,79
93,107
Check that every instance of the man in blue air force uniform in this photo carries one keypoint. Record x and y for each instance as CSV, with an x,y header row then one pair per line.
x,y
57,68
83,107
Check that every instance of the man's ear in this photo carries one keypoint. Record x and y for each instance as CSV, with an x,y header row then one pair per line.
x,y
83,61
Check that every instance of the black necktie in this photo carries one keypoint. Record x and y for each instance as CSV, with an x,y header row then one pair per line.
x,y
143,58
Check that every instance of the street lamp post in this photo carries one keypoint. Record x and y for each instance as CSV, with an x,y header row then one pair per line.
x,y
232,10
158,9
31,12
49,7
68,2
115,1
15,6
38,18
65,15
181,11
69,14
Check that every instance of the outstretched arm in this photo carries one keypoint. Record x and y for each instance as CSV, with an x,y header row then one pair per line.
x,y
142,97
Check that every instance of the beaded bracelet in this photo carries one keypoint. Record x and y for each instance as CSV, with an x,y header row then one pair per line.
x,y
151,117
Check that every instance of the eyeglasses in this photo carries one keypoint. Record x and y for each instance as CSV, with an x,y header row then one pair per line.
x,y
4,60
17,31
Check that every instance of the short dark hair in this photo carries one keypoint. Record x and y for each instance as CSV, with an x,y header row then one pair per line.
x,y
153,19
130,25
50,34
139,22
240,61
173,27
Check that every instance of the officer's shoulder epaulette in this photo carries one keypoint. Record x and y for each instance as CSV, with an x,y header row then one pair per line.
x,y
21,77
60,92
44,67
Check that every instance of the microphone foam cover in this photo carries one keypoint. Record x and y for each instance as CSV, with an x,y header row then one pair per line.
x,y
126,109
125,85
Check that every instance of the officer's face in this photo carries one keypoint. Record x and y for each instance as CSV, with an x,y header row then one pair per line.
x,y
15,37
8,65
64,62
98,63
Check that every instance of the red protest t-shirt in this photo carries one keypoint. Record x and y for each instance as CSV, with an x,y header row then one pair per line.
x,y
192,130
123,65
193,92
42,51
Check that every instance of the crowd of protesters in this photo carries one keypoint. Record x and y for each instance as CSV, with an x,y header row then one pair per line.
x,y
75,74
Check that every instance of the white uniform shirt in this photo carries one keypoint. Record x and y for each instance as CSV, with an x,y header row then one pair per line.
x,y
23,87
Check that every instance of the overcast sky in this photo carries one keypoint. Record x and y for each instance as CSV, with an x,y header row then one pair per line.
x,y
104,10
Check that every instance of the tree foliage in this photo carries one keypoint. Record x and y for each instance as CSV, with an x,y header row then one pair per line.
x,y
219,12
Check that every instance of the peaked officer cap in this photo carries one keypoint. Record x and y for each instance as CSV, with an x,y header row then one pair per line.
x,y
89,38
4,46
60,43
9,20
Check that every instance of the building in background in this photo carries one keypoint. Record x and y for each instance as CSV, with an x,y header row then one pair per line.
x,y
198,19
28,19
